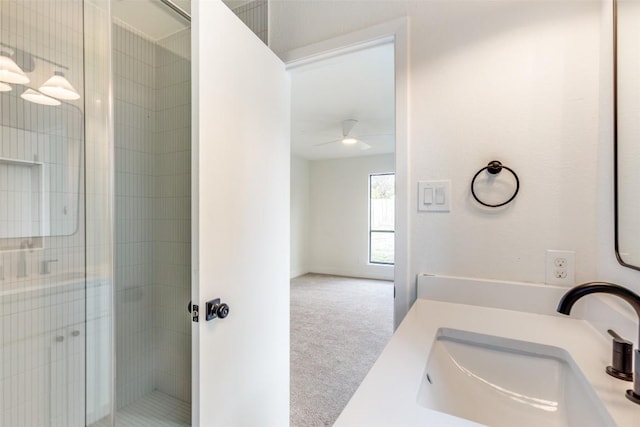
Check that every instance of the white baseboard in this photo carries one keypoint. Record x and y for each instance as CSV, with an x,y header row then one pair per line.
x,y
369,272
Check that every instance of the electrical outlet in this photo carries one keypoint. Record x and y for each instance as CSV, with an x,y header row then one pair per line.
x,y
560,273
560,262
560,267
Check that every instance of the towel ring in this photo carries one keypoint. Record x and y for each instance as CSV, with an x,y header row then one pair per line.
x,y
495,167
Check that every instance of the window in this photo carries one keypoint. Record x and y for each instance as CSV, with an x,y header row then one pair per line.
x,y
382,190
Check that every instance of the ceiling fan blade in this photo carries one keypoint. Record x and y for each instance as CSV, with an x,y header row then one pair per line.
x,y
377,135
363,145
347,126
328,142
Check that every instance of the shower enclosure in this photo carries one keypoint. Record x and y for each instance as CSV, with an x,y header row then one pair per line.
x,y
101,203
152,118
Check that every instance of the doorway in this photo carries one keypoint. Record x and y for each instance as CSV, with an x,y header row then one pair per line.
x,y
343,133
342,225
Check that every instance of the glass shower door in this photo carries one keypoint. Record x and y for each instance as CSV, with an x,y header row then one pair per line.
x,y
45,359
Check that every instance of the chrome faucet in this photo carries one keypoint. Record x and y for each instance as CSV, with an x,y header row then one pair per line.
x,y
22,261
574,294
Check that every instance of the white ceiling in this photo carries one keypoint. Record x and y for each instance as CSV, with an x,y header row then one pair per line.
x,y
155,19
358,85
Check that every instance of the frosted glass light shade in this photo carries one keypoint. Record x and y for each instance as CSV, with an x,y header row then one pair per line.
x,y
59,87
10,72
38,98
349,140
4,87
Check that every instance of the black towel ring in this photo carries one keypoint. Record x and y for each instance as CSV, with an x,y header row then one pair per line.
x,y
495,167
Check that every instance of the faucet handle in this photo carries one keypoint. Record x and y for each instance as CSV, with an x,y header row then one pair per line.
x,y
617,338
621,358
45,266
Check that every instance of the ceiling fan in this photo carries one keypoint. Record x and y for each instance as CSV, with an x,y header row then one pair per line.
x,y
348,138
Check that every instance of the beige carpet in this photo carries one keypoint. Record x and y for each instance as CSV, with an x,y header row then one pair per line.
x,y
339,326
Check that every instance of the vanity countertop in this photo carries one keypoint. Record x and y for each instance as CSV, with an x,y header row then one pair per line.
x,y
388,394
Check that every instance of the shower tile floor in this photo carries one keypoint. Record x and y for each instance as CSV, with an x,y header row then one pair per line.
x,y
154,410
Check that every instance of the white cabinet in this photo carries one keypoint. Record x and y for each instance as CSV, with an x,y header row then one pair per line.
x,y
42,357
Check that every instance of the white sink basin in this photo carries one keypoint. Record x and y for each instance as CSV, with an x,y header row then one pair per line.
x,y
504,382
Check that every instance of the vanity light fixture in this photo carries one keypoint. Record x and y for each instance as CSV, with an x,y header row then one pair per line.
x,y
39,98
4,87
59,87
9,70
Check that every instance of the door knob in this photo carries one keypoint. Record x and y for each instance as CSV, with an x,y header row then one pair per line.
x,y
222,311
216,309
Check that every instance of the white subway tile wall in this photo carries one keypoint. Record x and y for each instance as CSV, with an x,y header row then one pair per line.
x,y
153,229
172,283
134,120
42,234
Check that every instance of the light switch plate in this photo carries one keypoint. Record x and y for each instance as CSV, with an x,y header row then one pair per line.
x,y
434,196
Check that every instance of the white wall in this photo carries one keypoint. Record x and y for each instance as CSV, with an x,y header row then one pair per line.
x,y
339,216
516,81
299,216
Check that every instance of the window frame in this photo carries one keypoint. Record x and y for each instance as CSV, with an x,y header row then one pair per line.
x,y
369,225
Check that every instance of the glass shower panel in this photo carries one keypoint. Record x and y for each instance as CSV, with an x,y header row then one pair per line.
x,y
99,159
42,231
152,111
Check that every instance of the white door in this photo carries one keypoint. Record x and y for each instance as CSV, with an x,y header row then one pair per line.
x,y
240,211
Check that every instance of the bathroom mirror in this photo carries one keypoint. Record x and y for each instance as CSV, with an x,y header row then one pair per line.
x,y
627,131
41,170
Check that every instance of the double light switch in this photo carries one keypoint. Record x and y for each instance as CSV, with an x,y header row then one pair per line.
x,y
434,196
